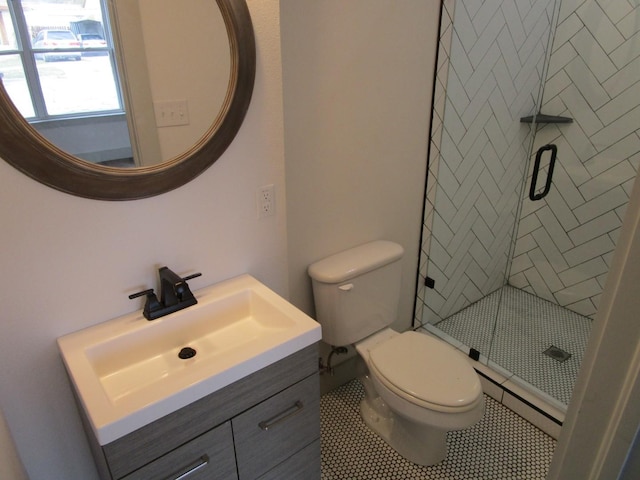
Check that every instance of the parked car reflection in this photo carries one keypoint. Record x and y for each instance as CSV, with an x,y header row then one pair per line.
x,y
51,41
92,40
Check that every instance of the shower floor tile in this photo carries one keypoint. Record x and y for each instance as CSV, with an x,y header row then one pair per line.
x,y
501,446
526,327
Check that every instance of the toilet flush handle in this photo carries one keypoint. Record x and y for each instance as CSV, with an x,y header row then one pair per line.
x,y
347,287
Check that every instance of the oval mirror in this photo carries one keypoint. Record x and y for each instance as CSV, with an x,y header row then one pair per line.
x,y
162,56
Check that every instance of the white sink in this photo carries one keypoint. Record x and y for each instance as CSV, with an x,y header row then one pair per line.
x,y
127,372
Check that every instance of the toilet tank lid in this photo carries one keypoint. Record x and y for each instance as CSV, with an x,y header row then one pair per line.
x,y
355,261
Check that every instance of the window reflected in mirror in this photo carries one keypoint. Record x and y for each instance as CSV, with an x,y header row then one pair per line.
x,y
110,82
58,67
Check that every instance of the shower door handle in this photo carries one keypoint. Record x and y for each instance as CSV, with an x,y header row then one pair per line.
x,y
536,169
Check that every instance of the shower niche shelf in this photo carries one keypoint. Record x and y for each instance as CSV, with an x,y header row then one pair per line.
x,y
542,118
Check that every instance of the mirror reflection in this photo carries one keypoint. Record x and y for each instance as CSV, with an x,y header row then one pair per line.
x,y
125,83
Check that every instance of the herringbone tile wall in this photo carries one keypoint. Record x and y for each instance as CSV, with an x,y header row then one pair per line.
x,y
565,241
492,71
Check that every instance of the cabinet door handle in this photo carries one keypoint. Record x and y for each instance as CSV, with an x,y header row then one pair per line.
x,y
202,462
282,416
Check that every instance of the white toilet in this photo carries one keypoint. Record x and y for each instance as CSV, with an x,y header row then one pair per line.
x,y
417,387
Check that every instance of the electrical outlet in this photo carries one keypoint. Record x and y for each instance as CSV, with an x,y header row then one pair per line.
x,y
266,201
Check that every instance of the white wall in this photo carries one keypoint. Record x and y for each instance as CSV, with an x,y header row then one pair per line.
x,y
11,466
358,77
69,263
202,47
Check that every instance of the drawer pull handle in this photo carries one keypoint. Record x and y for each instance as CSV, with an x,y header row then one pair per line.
x,y
282,416
202,462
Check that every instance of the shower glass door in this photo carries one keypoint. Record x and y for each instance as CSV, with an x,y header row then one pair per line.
x,y
517,271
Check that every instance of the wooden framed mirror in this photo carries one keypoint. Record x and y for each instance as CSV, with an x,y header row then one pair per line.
x,y
31,153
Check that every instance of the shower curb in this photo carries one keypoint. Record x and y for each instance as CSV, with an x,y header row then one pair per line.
x,y
536,411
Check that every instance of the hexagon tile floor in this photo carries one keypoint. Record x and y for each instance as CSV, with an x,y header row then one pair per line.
x,y
501,446
514,328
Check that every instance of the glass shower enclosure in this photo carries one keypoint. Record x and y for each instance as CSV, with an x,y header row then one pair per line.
x,y
534,148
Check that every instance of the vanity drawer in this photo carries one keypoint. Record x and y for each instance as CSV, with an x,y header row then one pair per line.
x,y
304,465
209,456
277,428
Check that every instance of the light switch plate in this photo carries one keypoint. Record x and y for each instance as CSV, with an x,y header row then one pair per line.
x,y
170,113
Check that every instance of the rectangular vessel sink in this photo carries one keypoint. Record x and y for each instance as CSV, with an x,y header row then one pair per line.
x,y
127,372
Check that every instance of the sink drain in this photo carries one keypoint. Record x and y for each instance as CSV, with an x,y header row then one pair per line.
x,y
557,353
187,352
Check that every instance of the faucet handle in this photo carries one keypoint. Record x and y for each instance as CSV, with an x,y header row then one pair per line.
x,y
151,306
139,294
193,275
183,292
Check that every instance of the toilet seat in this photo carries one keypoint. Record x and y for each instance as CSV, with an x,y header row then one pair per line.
x,y
426,371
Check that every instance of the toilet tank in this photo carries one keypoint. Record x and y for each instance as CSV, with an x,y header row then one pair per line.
x,y
356,292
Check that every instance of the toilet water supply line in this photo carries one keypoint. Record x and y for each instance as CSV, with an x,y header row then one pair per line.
x,y
328,368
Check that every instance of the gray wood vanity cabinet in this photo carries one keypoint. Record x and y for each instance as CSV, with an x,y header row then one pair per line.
x,y
265,426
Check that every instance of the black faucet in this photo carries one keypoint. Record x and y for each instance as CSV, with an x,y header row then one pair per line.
x,y
174,295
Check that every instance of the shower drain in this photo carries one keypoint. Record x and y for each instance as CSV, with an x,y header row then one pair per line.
x,y
557,353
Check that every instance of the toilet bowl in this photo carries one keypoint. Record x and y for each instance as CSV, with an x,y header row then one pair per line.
x,y
417,387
